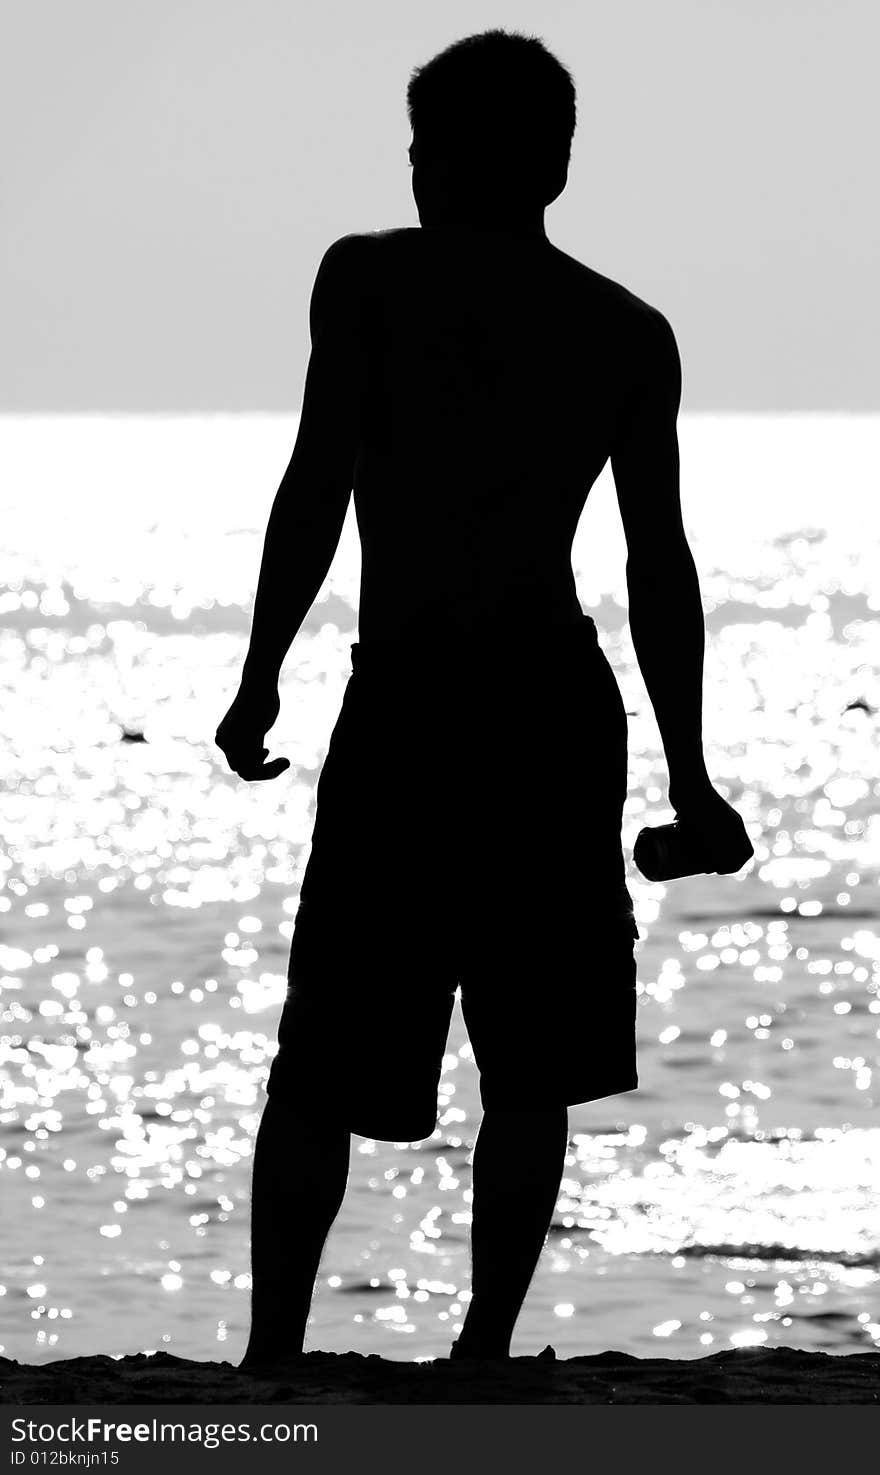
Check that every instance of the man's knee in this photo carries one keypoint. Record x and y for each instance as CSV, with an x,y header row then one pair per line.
x,y
530,1119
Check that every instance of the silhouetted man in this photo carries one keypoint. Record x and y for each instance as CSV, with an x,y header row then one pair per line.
x,y
469,381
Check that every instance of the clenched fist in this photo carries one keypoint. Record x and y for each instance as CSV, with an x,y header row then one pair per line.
x,y
717,826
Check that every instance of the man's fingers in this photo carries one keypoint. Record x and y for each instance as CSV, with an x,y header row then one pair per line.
x,y
733,853
252,771
247,761
722,837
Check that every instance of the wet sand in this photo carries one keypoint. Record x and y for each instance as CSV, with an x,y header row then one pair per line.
x,y
742,1375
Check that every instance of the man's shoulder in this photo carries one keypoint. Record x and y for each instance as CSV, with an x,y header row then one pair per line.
x,y
642,318
361,246
346,253
352,261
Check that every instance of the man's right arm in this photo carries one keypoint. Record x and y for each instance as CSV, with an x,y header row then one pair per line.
x,y
665,608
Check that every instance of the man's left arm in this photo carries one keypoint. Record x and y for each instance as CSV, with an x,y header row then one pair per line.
x,y
309,509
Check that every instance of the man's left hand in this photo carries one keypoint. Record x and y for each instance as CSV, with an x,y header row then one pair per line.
x,y
240,734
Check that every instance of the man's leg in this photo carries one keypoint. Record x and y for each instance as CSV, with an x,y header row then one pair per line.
x,y
299,1177
518,1161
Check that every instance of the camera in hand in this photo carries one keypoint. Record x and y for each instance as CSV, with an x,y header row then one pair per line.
x,y
665,852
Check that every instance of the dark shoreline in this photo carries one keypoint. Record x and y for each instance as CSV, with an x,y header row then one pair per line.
x,y
736,1376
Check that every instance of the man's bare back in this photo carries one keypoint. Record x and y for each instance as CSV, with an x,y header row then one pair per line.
x,y
469,380
495,373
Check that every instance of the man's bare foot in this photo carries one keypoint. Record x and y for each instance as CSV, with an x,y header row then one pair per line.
x,y
267,1361
464,1351
460,1352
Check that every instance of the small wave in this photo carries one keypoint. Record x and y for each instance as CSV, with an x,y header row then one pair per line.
x,y
773,914
830,1318
791,1253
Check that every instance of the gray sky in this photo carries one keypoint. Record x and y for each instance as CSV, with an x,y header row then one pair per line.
x,y
172,172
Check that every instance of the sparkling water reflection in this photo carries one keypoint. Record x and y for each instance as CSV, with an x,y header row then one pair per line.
x,y
149,896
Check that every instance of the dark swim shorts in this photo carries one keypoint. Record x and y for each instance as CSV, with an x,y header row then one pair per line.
x,y
468,833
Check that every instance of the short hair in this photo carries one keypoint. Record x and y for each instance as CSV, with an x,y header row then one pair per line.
x,y
502,87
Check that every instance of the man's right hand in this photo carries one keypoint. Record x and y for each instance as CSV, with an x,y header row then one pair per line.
x,y
721,834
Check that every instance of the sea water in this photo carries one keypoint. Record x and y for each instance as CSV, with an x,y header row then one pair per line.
x,y
148,898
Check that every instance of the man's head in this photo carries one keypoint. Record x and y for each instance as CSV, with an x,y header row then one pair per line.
x,y
493,118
